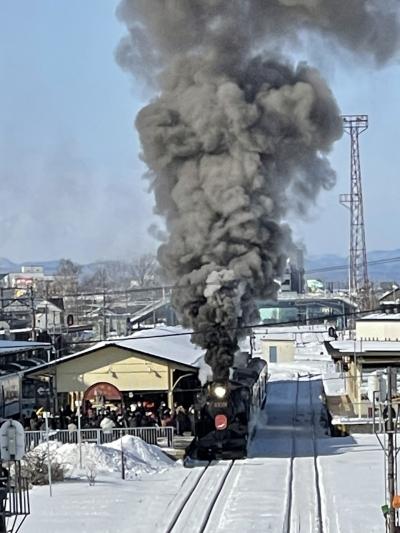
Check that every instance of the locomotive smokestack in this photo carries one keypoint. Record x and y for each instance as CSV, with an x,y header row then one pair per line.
x,y
237,137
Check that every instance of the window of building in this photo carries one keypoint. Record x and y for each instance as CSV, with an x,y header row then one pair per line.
x,y
273,354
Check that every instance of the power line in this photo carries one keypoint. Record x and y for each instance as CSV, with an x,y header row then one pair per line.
x,y
161,288
345,267
237,328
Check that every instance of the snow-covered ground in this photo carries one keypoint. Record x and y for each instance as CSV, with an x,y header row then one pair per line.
x,y
111,504
256,495
352,480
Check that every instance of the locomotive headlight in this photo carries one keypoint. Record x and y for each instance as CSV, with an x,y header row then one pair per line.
x,y
219,391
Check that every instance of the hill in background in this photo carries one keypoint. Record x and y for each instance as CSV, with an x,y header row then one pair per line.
x,y
377,272
314,265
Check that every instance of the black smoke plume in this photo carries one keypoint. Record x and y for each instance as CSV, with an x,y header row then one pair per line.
x,y
235,137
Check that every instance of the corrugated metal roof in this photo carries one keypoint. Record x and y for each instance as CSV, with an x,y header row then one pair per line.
x,y
168,343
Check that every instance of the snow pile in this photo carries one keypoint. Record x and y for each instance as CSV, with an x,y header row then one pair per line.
x,y
139,457
137,450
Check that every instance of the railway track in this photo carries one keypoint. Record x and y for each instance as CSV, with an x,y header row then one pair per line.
x,y
193,511
277,488
303,504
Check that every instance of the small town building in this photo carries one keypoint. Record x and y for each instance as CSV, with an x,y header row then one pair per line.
x,y
379,327
357,361
29,276
278,347
49,315
16,393
306,309
159,365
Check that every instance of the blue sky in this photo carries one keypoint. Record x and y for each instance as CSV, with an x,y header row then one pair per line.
x,y
70,175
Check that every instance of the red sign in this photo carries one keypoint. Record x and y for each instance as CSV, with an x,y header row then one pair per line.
x,y
220,422
102,390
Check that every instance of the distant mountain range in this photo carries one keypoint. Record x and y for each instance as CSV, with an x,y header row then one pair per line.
x,y
327,267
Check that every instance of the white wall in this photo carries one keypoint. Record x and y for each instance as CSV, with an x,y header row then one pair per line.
x,y
381,330
285,350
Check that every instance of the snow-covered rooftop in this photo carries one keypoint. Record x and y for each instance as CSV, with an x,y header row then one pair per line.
x,y
366,346
279,336
314,328
382,316
170,343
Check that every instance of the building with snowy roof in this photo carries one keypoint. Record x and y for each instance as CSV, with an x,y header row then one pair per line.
x,y
357,360
379,327
158,364
278,347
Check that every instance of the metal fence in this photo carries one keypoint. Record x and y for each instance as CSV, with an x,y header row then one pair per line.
x,y
161,436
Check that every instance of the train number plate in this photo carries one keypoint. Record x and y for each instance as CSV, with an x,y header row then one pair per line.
x,y
220,404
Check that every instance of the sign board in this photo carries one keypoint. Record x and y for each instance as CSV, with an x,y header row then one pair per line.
x,y
12,441
9,395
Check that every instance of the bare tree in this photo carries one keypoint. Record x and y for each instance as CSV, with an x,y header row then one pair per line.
x,y
145,271
67,276
99,280
35,467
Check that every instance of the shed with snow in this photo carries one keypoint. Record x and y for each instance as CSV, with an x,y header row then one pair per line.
x,y
161,363
278,347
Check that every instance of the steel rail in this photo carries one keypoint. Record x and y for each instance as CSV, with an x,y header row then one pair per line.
x,y
176,515
319,525
319,518
288,514
191,497
215,498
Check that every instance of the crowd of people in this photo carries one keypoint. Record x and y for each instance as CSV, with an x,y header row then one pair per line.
x,y
140,414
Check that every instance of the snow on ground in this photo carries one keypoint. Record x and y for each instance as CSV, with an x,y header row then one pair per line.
x,y
139,457
351,472
351,475
112,504
352,478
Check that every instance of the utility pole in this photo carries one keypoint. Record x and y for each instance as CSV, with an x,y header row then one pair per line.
x,y
359,287
104,315
390,430
1,303
32,298
383,401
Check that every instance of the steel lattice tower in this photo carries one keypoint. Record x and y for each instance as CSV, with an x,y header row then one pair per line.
x,y
354,125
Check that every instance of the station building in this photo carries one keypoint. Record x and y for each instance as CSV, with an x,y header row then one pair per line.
x,y
160,364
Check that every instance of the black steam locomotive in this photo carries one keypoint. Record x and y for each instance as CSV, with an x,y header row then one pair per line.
x,y
224,412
